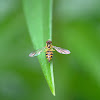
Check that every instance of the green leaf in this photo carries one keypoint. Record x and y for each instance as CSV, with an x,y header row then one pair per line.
x,y
38,15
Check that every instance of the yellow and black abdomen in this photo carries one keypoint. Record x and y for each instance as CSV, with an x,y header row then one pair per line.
x,y
49,55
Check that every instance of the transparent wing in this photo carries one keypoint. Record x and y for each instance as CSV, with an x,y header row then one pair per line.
x,y
37,52
61,50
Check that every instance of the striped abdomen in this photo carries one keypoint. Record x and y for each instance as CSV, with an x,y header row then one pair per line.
x,y
49,55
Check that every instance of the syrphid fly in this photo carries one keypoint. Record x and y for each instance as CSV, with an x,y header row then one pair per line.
x,y
49,48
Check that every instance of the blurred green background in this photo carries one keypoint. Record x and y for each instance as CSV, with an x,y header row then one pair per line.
x,y
76,26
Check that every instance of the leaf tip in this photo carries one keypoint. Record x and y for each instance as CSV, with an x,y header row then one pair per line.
x,y
53,92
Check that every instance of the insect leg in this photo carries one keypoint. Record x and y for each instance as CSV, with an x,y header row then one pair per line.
x,y
46,49
52,49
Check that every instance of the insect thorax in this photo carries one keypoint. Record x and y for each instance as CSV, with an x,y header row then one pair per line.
x,y
49,45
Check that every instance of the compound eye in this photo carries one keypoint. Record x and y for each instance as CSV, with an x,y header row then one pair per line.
x,y
48,42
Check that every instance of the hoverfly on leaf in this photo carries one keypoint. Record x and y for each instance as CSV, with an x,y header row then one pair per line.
x,y
49,48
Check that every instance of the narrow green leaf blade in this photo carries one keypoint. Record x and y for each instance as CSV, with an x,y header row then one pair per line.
x,y
38,15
